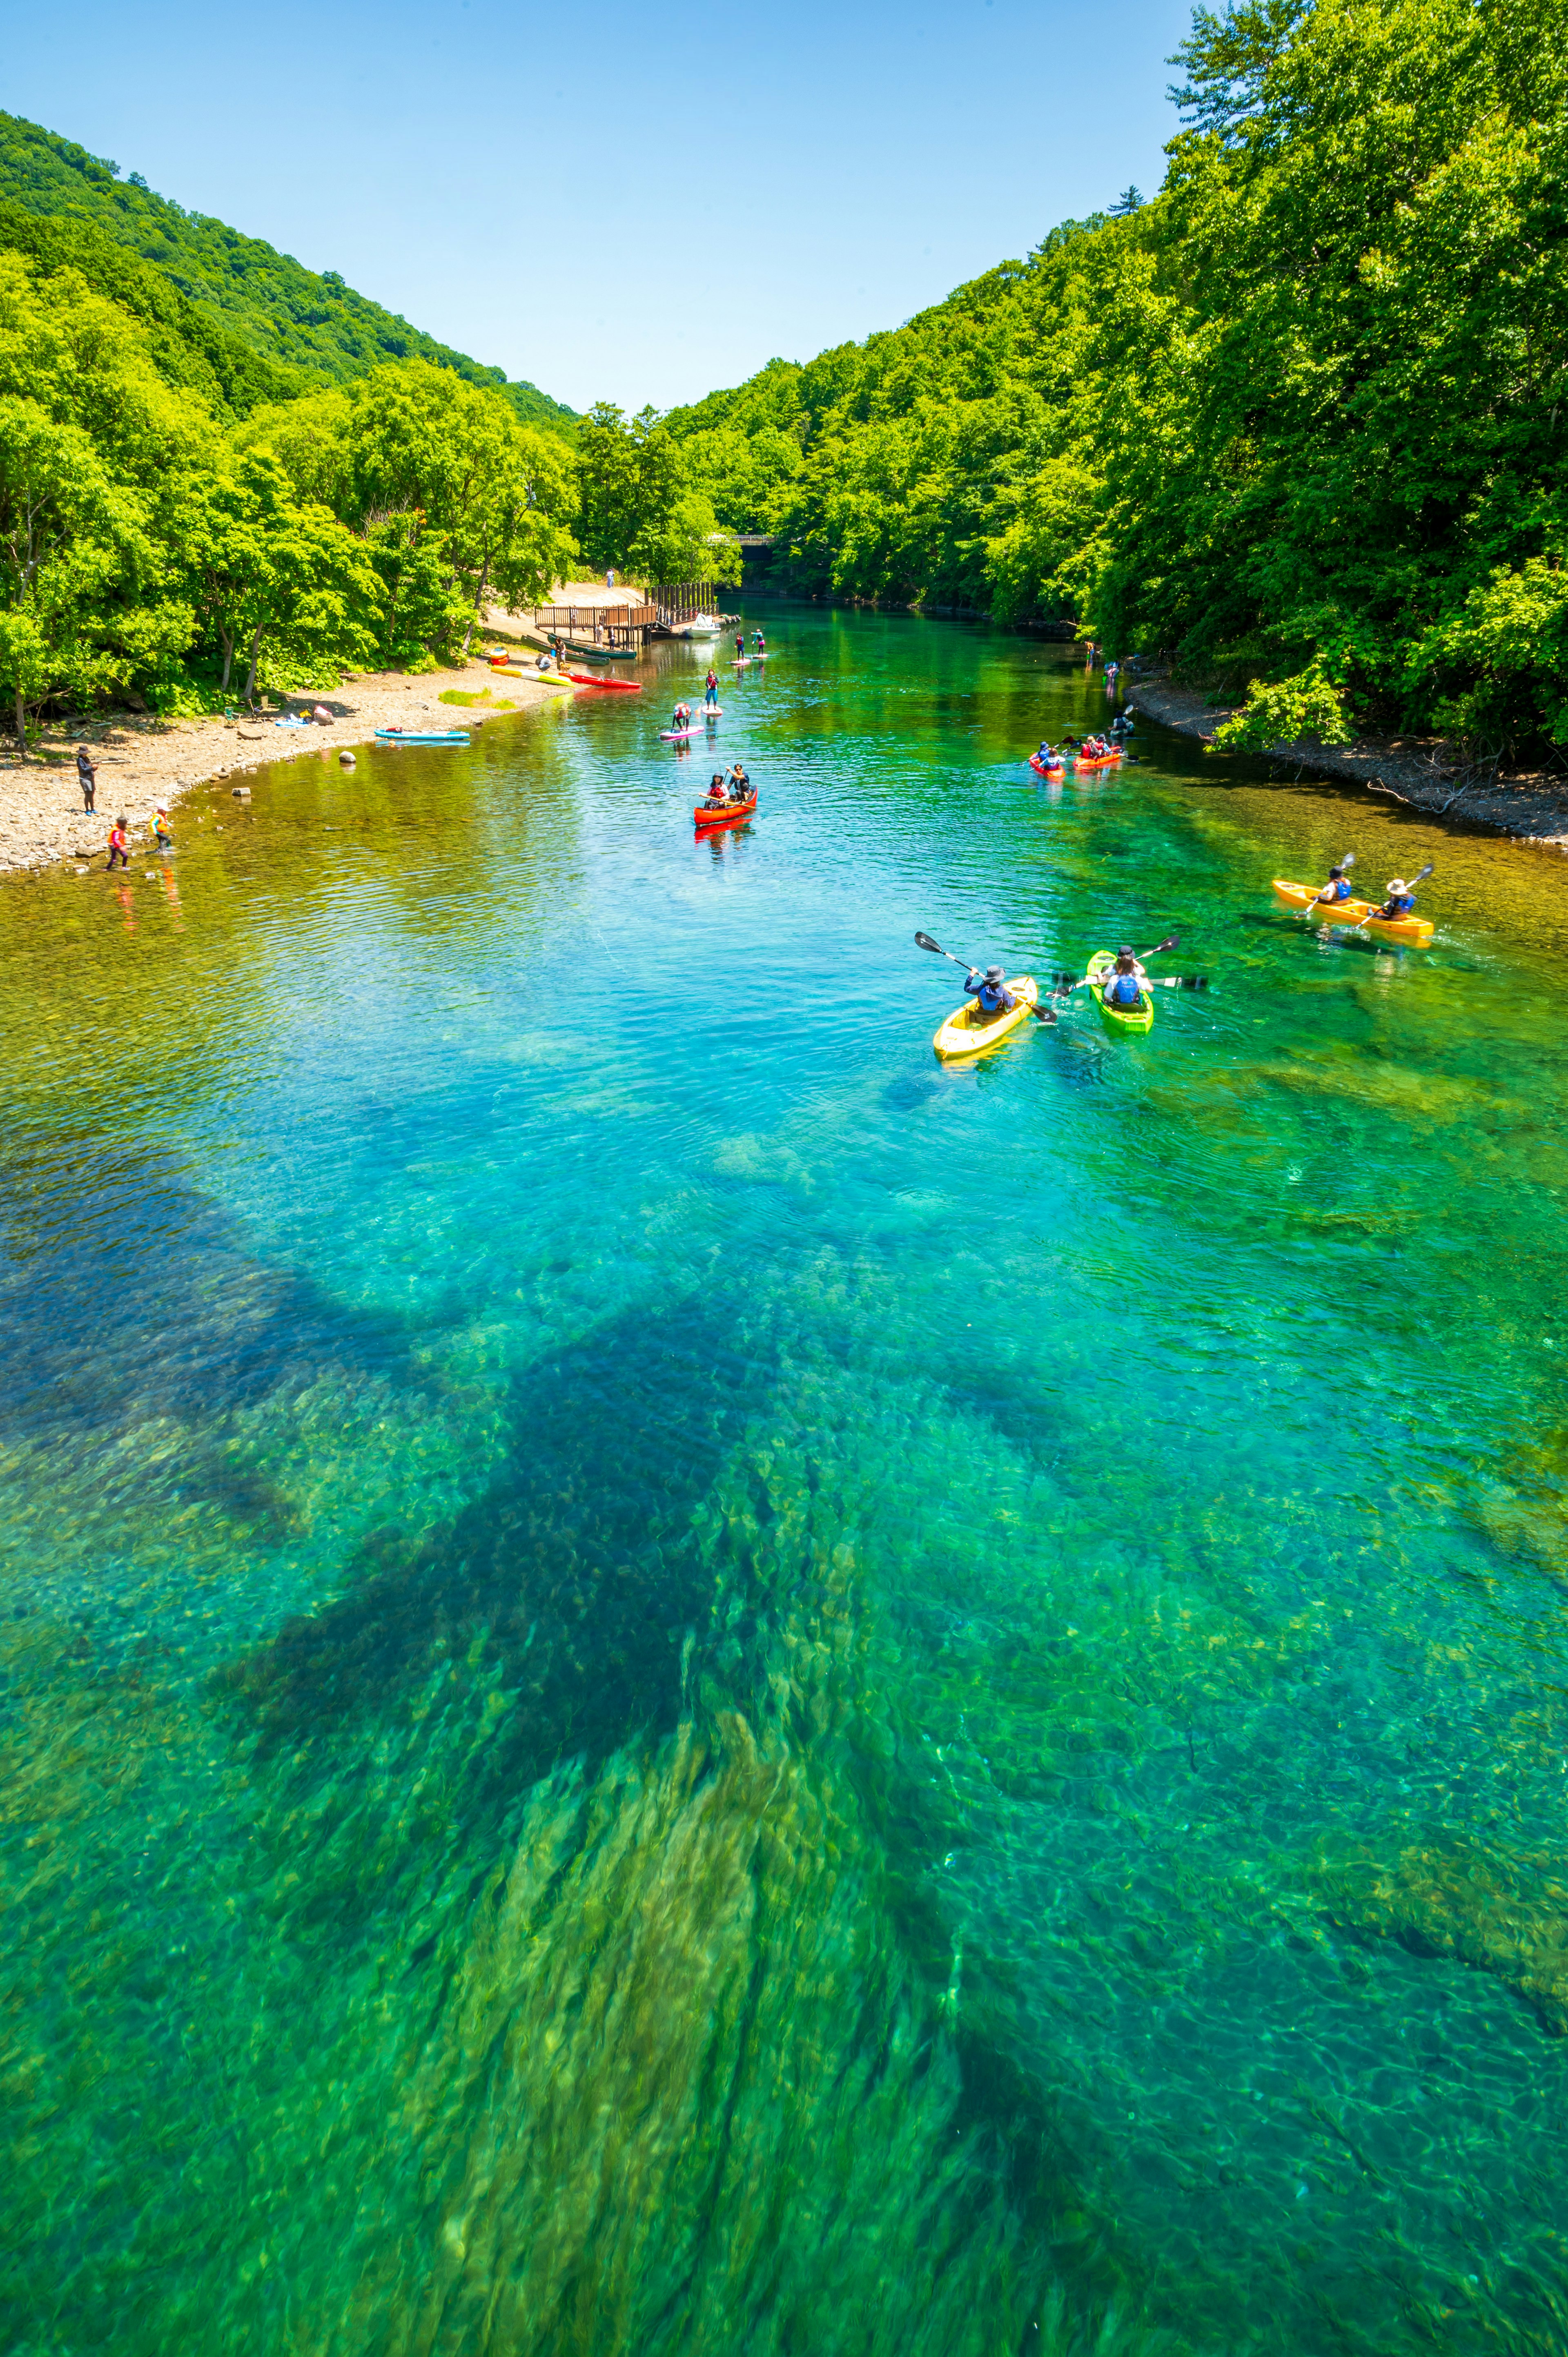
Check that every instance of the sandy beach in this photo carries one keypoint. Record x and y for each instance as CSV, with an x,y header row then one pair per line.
x,y
144,761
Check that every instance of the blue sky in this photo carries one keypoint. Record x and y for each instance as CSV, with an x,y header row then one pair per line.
x,y
615,201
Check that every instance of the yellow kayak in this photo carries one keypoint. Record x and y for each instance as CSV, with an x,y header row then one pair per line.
x,y
1414,929
969,1032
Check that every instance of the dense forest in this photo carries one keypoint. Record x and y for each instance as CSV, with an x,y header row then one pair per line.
x,y
218,474
307,325
1297,422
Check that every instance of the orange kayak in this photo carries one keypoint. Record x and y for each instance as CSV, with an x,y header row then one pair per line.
x,y
1415,930
713,815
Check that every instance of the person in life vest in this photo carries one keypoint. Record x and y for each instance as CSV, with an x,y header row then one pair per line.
x,y
716,790
740,646
161,836
679,717
119,844
1401,899
1337,889
1046,757
989,990
711,691
1123,985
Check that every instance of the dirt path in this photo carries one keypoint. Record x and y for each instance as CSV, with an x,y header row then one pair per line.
x,y
143,763
1531,809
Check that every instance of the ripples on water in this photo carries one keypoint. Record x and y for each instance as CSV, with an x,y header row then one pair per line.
x,y
674,1681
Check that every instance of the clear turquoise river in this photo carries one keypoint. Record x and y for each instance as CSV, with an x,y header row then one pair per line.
x,y
678,1685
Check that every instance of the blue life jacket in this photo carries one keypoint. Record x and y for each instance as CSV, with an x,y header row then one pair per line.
x,y
1342,888
1402,903
1122,989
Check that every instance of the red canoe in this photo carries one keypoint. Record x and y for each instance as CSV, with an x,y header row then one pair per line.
x,y
617,687
707,815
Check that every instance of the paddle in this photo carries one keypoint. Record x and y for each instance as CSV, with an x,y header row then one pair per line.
x,y
1172,942
1414,880
924,941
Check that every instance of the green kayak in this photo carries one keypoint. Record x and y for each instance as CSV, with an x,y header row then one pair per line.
x,y
1136,1018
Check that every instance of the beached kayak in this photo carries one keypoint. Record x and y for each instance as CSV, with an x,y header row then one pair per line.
x,y
607,686
970,1030
422,737
1414,931
710,814
1133,1019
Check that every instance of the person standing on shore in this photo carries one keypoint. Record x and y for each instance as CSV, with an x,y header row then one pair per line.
x,y
87,774
119,847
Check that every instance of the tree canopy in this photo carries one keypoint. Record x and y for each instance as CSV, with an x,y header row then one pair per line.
x,y
1296,419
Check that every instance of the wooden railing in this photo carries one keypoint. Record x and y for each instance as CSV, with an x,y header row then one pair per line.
x,y
678,601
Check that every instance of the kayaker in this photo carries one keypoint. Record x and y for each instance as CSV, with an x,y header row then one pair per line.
x,y
710,693
1123,985
1401,899
1046,754
990,989
1337,889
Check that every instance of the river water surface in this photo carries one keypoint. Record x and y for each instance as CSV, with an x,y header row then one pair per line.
x,y
676,1682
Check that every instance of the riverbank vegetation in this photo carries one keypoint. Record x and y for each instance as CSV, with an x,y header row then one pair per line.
x,y
1298,421
212,485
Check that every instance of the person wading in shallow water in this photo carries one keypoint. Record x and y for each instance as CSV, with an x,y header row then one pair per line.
x,y
119,847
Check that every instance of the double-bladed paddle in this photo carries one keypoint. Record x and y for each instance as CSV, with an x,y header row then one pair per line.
x,y
1172,941
1414,880
924,941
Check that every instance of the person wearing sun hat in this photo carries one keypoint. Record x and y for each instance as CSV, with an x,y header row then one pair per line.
x,y
1401,899
990,989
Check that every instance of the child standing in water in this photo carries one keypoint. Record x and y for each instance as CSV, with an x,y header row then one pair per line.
x,y
161,836
119,847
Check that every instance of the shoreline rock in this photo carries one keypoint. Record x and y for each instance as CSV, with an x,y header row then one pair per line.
x,y
1528,809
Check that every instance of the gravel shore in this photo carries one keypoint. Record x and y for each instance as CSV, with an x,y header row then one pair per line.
x,y
142,761
1531,809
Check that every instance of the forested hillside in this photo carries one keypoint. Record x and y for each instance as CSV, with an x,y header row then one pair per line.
x,y
1299,420
311,327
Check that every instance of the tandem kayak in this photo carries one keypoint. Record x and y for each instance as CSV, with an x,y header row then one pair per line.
x,y
1045,768
1416,931
422,737
1134,1018
711,814
970,1030
1096,760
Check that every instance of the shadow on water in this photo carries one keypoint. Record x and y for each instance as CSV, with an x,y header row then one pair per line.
x,y
575,1574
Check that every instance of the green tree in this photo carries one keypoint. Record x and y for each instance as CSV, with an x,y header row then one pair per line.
x,y
641,510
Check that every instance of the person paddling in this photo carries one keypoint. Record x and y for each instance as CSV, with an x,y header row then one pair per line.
x,y
739,784
711,691
758,644
740,646
1123,985
991,990
1400,900
716,790
1045,755
1337,889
